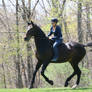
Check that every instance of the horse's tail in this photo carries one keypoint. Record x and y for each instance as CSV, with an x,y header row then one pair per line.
x,y
88,44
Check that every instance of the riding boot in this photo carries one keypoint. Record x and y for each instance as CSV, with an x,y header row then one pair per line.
x,y
55,49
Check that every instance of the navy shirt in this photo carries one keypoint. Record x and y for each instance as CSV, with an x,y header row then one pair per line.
x,y
57,33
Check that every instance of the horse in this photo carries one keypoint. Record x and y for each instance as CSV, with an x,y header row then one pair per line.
x,y
72,52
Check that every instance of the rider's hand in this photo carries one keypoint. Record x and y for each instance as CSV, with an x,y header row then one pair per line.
x,y
49,37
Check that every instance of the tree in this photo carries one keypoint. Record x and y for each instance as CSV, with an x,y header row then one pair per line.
x,y
80,32
27,15
88,21
19,77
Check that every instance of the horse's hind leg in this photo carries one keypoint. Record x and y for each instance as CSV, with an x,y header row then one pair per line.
x,y
42,73
69,78
77,72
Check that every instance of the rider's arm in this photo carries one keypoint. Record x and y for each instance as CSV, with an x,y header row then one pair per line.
x,y
59,32
50,33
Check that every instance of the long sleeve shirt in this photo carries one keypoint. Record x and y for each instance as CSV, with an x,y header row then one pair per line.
x,y
57,33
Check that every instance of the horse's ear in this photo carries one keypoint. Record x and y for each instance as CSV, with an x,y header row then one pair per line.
x,y
28,23
32,23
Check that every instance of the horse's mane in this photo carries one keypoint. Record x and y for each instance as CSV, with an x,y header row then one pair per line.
x,y
40,31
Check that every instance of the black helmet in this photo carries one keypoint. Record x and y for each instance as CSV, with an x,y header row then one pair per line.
x,y
54,20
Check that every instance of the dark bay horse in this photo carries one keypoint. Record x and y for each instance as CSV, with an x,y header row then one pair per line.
x,y
71,52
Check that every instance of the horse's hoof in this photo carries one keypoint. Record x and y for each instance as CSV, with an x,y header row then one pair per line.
x,y
51,82
74,86
66,84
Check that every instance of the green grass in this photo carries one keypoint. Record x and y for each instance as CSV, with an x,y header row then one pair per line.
x,y
48,90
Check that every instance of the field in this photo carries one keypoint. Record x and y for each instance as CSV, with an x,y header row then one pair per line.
x,y
48,90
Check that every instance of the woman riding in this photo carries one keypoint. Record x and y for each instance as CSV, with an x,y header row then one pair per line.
x,y
56,31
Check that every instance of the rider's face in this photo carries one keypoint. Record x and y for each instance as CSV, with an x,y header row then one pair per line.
x,y
53,24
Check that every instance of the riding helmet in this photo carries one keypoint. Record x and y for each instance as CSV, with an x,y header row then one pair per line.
x,y
54,20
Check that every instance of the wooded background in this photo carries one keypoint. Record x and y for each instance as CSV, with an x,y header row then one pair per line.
x,y
17,58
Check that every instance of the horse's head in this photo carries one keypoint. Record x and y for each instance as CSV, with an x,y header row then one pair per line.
x,y
34,30
30,31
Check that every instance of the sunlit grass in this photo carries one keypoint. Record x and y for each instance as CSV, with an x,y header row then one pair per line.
x,y
48,90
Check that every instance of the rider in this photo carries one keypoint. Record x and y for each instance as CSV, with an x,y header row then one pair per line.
x,y
56,31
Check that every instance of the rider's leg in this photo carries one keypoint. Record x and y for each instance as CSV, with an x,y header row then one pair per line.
x,y
53,40
55,49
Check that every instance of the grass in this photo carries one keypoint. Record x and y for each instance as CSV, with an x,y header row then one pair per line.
x,y
48,90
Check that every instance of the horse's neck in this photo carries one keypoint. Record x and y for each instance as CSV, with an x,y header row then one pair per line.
x,y
41,41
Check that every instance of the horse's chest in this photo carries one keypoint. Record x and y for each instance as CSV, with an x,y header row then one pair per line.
x,y
44,50
43,53
43,47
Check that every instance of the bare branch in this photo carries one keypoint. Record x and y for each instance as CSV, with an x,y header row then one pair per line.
x,y
34,7
12,3
7,20
49,3
62,9
43,7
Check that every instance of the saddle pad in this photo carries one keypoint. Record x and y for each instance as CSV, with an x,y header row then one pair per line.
x,y
69,45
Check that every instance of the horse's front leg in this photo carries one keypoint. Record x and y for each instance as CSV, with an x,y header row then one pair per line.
x,y
34,74
42,73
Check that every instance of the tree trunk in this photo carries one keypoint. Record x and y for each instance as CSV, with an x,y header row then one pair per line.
x,y
29,62
19,76
80,32
88,33
66,30
88,22
25,80
4,75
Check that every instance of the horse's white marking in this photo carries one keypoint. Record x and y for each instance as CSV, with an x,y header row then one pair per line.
x,y
74,86
29,27
71,44
68,46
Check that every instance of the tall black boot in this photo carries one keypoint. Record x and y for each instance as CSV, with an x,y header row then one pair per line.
x,y
55,49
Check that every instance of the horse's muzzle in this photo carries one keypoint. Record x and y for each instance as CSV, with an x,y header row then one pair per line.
x,y
26,39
